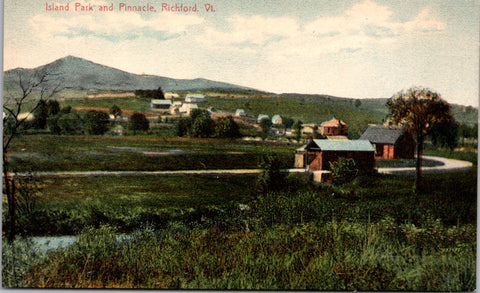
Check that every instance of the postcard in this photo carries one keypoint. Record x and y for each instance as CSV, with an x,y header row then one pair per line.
x,y
240,145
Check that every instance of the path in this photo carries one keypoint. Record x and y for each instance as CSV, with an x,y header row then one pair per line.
x,y
449,165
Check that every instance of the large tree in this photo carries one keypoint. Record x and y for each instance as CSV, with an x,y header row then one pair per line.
x,y
31,87
420,110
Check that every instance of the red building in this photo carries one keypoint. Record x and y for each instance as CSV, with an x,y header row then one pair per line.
x,y
390,143
334,127
319,153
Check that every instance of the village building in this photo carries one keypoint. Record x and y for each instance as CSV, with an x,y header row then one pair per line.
x,y
390,142
319,154
261,117
334,127
240,113
194,99
187,108
277,120
309,129
171,96
161,105
175,108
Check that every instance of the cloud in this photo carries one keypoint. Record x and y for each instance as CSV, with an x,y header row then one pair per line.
x,y
249,31
113,26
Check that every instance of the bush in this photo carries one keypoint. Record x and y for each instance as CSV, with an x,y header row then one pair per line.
x,y
96,122
343,171
138,121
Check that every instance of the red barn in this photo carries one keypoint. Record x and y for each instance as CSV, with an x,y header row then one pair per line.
x,y
390,142
319,153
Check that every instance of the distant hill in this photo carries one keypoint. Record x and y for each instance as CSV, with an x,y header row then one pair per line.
x,y
80,74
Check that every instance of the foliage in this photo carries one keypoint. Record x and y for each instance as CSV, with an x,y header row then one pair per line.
x,y
40,115
70,124
202,125
227,128
421,110
344,170
182,126
271,177
339,255
444,134
116,111
96,122
53,107
138,121
265,124
150,94
297,127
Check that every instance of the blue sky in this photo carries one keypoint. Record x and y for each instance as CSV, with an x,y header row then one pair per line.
x,y
358,49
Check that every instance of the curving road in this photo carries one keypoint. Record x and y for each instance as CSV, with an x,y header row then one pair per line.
x,y
449,165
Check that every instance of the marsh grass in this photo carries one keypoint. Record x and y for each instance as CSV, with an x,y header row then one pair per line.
x,y
333,256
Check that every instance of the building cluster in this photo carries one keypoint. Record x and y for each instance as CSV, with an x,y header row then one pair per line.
x,y
169,105
376,143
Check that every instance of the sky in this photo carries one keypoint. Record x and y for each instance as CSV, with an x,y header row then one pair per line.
x,y
356,49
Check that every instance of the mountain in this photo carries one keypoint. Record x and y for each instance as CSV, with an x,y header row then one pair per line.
x,y
81,74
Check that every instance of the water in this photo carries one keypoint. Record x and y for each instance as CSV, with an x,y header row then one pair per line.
x,y
47,243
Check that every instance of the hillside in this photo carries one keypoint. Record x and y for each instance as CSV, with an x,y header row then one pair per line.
x,y
80,74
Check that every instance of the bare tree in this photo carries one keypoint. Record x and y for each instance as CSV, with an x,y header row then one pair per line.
x,y
29,84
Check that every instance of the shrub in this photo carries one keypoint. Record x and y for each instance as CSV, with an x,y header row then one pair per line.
x,y
344,170
96,122
138,121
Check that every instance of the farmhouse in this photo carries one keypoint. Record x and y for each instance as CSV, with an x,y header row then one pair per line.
x,y
390,143
334,127
318,154
161,105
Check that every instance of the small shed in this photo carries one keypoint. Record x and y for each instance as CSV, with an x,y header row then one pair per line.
x,y
334,127
318,154
390,142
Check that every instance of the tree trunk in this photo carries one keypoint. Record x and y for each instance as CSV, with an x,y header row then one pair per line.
x,y
11,199
418,167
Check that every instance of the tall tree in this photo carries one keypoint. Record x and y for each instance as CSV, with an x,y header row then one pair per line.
x,y
420,110
30,85
138,121
96,122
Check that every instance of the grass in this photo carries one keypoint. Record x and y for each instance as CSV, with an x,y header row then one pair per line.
x,y
374,233
148,153
406,163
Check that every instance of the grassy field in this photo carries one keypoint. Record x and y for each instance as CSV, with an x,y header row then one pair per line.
x,y
373,234
147,153
209,232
